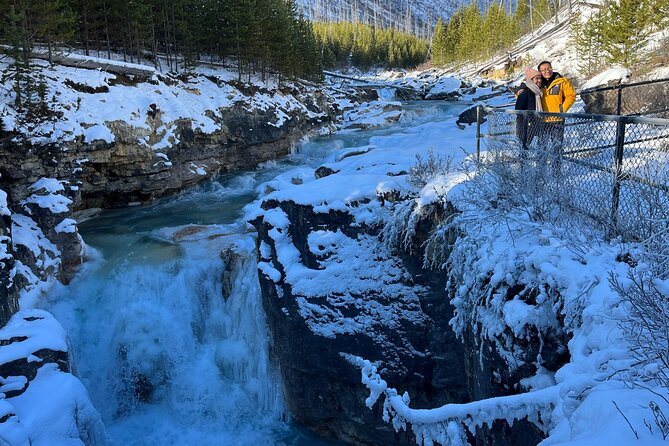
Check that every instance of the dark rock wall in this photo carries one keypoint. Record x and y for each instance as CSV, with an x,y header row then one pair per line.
x,y
324,391
9,300
322,388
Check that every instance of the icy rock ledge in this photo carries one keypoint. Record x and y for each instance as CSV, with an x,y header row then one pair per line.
x,y
43,403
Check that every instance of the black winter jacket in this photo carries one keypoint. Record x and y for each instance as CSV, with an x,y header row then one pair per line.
x,y
526,100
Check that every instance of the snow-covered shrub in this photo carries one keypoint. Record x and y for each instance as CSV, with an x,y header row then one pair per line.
x,y
504,298
400,229
429,167
647,328
647,331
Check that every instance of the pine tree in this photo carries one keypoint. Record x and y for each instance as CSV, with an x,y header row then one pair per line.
x,y
626,31
471,37
54,23
439,44
19,49
522,17
588,41
454,36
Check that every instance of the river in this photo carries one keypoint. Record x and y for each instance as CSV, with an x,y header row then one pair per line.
x,y
168,334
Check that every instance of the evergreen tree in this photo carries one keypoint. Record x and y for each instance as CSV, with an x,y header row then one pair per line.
x,y
589,42
439,51
454,36
626,31
522,17
471,36
54,23
19,49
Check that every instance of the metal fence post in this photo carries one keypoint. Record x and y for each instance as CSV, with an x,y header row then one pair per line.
x,y
620,102
618,176
478,134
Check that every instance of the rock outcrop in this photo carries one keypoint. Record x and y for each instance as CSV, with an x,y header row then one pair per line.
x,y
9,300
130,170
39,387
314,337
419,353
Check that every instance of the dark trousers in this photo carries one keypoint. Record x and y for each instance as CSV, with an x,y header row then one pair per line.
x,y
553,133
527,127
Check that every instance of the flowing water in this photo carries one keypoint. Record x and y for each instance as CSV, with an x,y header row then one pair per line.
x,y
166,319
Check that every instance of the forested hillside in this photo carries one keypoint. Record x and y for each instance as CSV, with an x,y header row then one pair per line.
x,y
615,33
362,45
411,16
263,35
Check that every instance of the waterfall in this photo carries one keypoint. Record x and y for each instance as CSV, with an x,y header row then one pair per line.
x,y
171,339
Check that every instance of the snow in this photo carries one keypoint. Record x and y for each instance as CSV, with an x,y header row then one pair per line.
x,y
445,84
68,225
41,331
53,200
49,185
603,78
372,114
93,116
54,409
98,132
4,210
25,232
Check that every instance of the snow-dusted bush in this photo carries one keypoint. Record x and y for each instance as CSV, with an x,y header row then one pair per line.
x,y
426,203
429,167
647,327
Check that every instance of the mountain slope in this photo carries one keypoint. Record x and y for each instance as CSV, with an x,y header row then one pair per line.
x,y
417,16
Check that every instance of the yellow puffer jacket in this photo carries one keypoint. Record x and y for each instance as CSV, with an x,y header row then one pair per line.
x,y
559,96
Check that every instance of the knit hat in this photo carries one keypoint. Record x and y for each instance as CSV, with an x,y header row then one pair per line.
x,y
531,72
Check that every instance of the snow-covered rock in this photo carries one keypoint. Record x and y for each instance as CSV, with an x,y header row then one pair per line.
x,y
446,88
122,141
43,402
372,114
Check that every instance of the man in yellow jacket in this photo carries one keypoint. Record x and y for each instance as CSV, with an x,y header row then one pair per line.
x,y
558,97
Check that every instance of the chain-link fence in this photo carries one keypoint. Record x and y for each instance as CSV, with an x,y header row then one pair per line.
x,y
613,169
647,98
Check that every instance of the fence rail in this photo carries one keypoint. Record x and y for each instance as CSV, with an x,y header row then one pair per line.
x,y
614,169
645,98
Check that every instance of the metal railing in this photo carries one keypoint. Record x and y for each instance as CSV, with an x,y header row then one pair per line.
x,y
646,98
613,169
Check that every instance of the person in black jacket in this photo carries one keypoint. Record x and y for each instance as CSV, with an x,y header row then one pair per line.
x,y
529,98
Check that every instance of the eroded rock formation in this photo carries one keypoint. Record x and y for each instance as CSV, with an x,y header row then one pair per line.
x,y
314,338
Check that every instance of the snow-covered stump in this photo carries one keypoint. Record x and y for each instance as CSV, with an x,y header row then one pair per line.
x,y
43,403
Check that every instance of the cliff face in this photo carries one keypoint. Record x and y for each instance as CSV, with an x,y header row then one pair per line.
x,y
129,169
418,352
9,299
314,337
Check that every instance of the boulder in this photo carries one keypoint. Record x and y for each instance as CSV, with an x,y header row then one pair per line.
x,y
469,117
